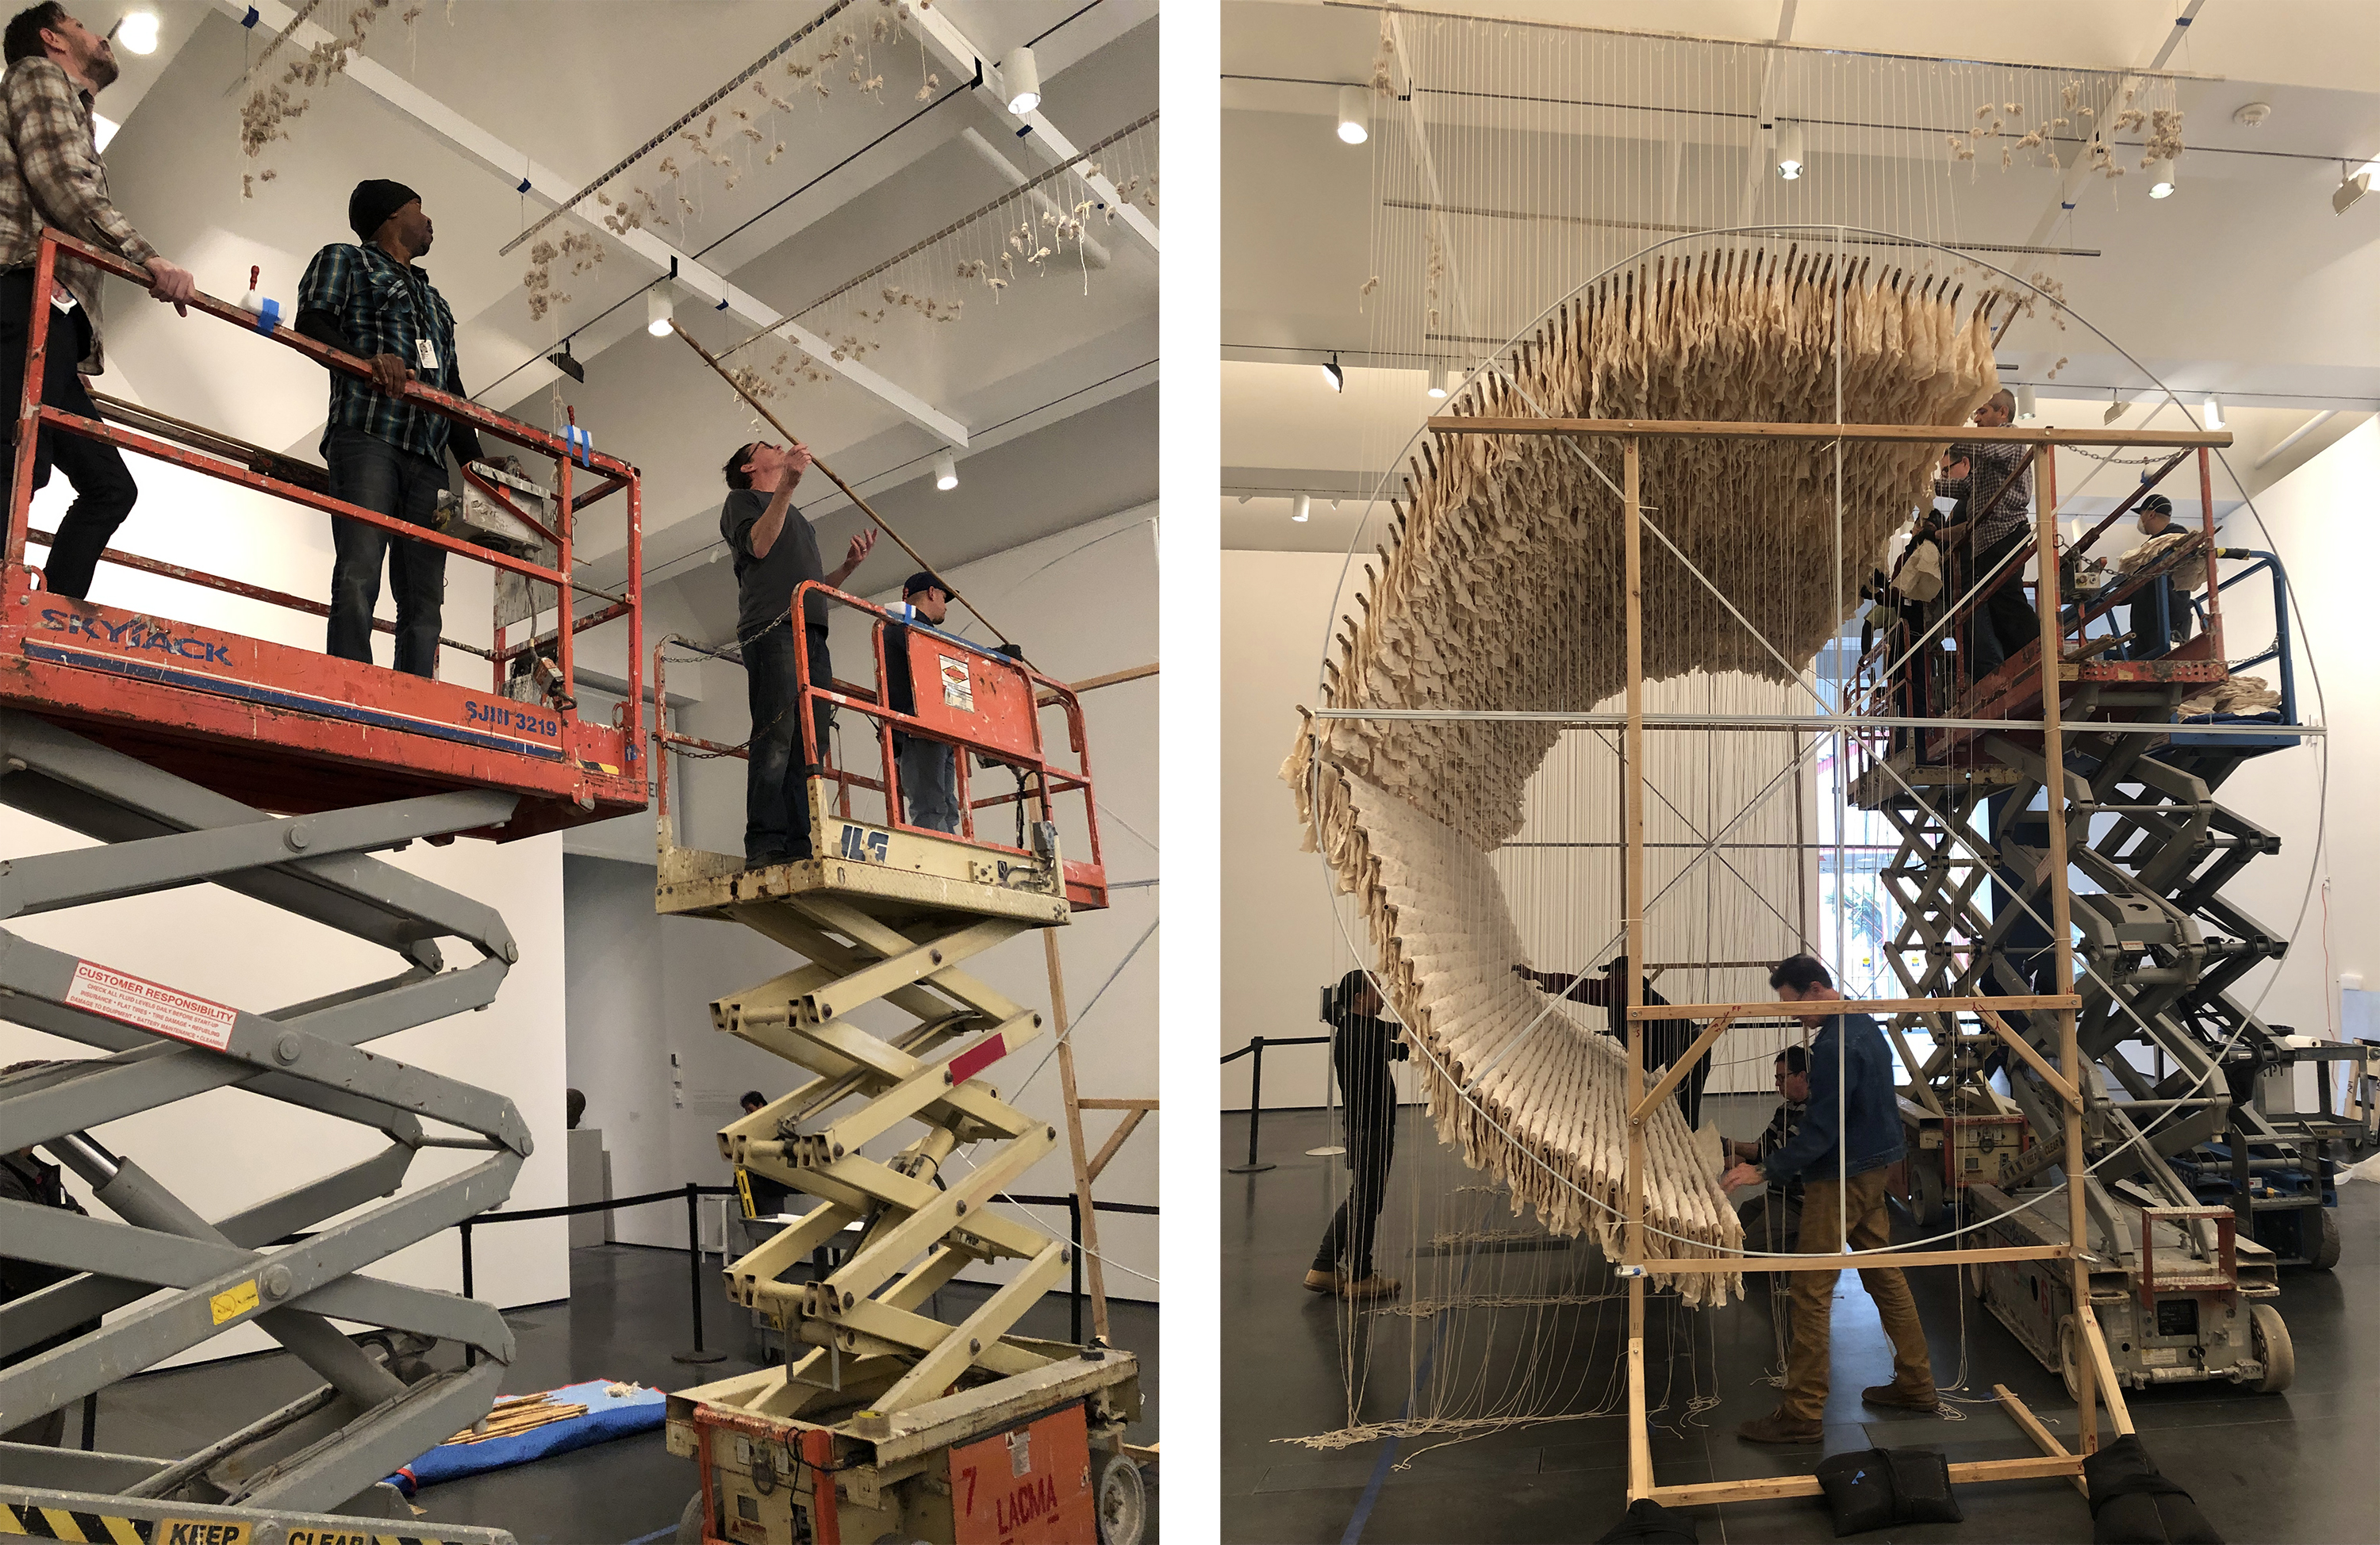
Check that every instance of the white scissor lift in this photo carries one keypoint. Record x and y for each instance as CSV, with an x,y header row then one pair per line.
x,y
884,1422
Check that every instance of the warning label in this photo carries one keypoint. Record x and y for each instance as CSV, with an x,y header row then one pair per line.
x,y
98,990
958,691
234,1302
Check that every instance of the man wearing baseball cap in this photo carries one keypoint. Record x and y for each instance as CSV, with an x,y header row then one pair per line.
x,y
385,454
2157,520
928,768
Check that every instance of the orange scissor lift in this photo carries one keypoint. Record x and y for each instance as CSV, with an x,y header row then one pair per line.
x,y
883,1421
198,755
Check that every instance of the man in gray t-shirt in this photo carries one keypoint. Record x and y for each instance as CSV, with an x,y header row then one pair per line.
x,y
776,550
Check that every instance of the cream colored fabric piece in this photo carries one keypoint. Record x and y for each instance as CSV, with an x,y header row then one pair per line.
x,y
1549,1120
2239,694
2188,576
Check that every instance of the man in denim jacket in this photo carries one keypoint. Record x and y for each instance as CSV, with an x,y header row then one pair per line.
x,y
1851,1134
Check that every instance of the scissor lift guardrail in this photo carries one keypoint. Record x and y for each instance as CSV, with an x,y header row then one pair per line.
x,y
868,1427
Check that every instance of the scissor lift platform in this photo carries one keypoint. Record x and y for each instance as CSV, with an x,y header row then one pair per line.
x,y
193,756
884,1422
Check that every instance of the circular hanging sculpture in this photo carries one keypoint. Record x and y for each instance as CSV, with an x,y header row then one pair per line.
x,y
1503,592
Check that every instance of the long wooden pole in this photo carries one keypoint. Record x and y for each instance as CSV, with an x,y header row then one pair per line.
x,y
2070,1057
1929,434
1093,1273
1639,1443
848,491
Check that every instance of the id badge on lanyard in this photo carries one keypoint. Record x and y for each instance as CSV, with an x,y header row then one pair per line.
x,y
425,354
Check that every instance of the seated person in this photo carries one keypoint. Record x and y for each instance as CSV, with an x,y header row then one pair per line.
x,y
928,768
1772,1219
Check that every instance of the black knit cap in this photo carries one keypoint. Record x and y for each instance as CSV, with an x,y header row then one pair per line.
x,y
921,581
2158,502
374,200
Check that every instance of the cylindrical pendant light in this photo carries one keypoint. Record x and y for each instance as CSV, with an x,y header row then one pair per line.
x,y
1020,76
1355,114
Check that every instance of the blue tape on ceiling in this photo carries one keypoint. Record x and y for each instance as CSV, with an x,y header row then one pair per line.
x,y
524,186
252,18
1026,130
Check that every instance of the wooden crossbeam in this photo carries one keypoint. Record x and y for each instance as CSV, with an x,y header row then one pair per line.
x,y
2050,1076
1931,434
1710,1264
1829,1007
1680,1069
2043,1439
1965,1473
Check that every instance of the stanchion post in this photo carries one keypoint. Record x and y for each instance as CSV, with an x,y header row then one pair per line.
x,y
1256,1109
1074,1229
694,1276
470,1353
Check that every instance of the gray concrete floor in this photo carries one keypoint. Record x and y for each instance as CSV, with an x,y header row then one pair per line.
x,y
2298,1466
625,1316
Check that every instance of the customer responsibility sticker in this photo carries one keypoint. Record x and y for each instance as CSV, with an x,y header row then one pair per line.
x,y
151,1006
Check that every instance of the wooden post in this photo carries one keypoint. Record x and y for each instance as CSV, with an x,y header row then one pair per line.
x,y
1092,1272
2069,1059
1640,1446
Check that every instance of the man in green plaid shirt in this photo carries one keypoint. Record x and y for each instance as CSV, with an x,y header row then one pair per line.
x,y
385,453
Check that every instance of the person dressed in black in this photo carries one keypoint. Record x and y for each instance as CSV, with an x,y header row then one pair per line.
x,y
1772,1220
928,768
768,1197
1665,1040
1362,1046
2162,592
775,550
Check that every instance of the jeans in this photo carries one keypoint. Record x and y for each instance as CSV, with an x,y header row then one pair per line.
x,y
371,472
1371,1096
104,488
1806,1375
929,783
2004,623
2140,619
776,791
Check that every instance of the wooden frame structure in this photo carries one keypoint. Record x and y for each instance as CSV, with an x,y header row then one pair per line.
x,y
2097,1384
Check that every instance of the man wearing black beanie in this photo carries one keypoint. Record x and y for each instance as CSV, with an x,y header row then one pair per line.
x,y
386,454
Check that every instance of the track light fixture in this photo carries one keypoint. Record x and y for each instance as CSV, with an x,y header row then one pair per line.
x,y
1355,114
2024,403
2161,179
2354,186
567,363
2214,412
946,471
2117,406
658,307
136,30
1438,374
1305,510
1790,152
1334,375
1020,76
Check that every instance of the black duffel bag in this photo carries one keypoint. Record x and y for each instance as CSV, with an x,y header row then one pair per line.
x,y
1879,1487
2132,1504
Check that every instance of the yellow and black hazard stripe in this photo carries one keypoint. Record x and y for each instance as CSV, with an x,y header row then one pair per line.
x,y
28,1521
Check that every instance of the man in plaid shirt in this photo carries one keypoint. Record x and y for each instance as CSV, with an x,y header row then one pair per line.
x,y
51,176
386,454
2004,622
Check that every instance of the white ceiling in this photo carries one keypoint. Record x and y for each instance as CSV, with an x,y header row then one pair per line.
x,y
1051,380
2243,284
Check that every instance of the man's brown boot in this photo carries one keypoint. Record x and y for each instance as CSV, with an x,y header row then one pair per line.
x,y
1372,1286
1319,1281
1924,1400
1778,1428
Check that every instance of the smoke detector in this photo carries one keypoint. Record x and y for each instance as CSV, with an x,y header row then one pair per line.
x,y
2253,115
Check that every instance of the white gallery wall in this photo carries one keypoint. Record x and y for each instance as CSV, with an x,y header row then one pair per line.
x,y
227,1150
1082,603
2319,891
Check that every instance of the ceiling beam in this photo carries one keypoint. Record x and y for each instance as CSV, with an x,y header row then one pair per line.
x,y
962,59
540,182
2069,181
